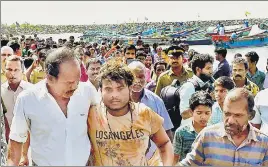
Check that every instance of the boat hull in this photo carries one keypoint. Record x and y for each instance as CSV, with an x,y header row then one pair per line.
x,y
251,42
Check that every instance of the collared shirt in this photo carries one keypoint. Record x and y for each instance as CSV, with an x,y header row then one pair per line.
x,y
252,87
217,114
183,140
222,70
261,108
168,76
258,78
214,147
9,97
55,139
157,105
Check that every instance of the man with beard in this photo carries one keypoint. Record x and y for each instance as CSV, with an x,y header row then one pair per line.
x,y
177,71
55,113
150,99
240,68
120,129
202,66
235,142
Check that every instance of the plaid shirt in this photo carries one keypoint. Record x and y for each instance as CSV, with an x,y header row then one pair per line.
x,y
183,140
258,78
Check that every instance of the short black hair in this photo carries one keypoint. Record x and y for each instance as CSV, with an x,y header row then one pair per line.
x,y
14,45
28,61
221,51
93,61
130,47
225,82
141,53
254,57
200,98
159,63
200,60
237,55
56,57
240,60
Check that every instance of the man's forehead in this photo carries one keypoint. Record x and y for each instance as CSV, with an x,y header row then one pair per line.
x,y
110,83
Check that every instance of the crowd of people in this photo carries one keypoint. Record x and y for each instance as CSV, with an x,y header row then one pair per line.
x,y
122,28
86,104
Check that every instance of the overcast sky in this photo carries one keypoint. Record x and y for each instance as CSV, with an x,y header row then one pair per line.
x,y
72,12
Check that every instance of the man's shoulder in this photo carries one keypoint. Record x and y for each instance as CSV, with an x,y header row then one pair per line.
x,y
213,130
164,74
152,94
184,129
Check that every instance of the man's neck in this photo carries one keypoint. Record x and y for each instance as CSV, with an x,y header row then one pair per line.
x,y
14,86
221,60
197,127
221,105
95,83
136,96
238,139
240,83
177,70
252,70
119,113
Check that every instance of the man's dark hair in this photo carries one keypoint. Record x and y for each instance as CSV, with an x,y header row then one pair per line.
x,y
129,47
254,57
93,61
238,55
28,61
225,82
221,51
56,57
160,63
240,60
116,71
200,98
14,45
141,53
200,60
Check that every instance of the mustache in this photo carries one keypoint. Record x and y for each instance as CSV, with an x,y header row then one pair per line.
x,y
238,76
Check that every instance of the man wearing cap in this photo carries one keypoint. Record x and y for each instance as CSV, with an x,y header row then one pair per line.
x,y
177,71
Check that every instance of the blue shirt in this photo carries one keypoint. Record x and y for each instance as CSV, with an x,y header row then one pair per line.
x,y
222,70
153,101
217,114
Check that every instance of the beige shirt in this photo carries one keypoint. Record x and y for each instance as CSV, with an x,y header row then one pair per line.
x,y
9,97
122,141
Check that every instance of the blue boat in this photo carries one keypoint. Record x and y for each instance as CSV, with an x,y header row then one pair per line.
x,y
240,43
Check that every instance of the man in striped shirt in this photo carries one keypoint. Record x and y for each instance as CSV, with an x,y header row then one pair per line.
x,y
234,142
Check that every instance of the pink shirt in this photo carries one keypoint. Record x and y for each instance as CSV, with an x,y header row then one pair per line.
x,y
147,75
84,76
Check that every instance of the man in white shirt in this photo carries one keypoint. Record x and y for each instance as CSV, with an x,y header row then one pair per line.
x,y
55,113
14,85
222,30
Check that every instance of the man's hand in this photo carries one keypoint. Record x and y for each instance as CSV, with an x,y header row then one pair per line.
x,y
24,161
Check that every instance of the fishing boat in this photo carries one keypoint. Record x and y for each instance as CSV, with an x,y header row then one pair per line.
x,y
226,32
255,38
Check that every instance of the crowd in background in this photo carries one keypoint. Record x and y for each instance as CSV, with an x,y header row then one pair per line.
x,y
148,106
